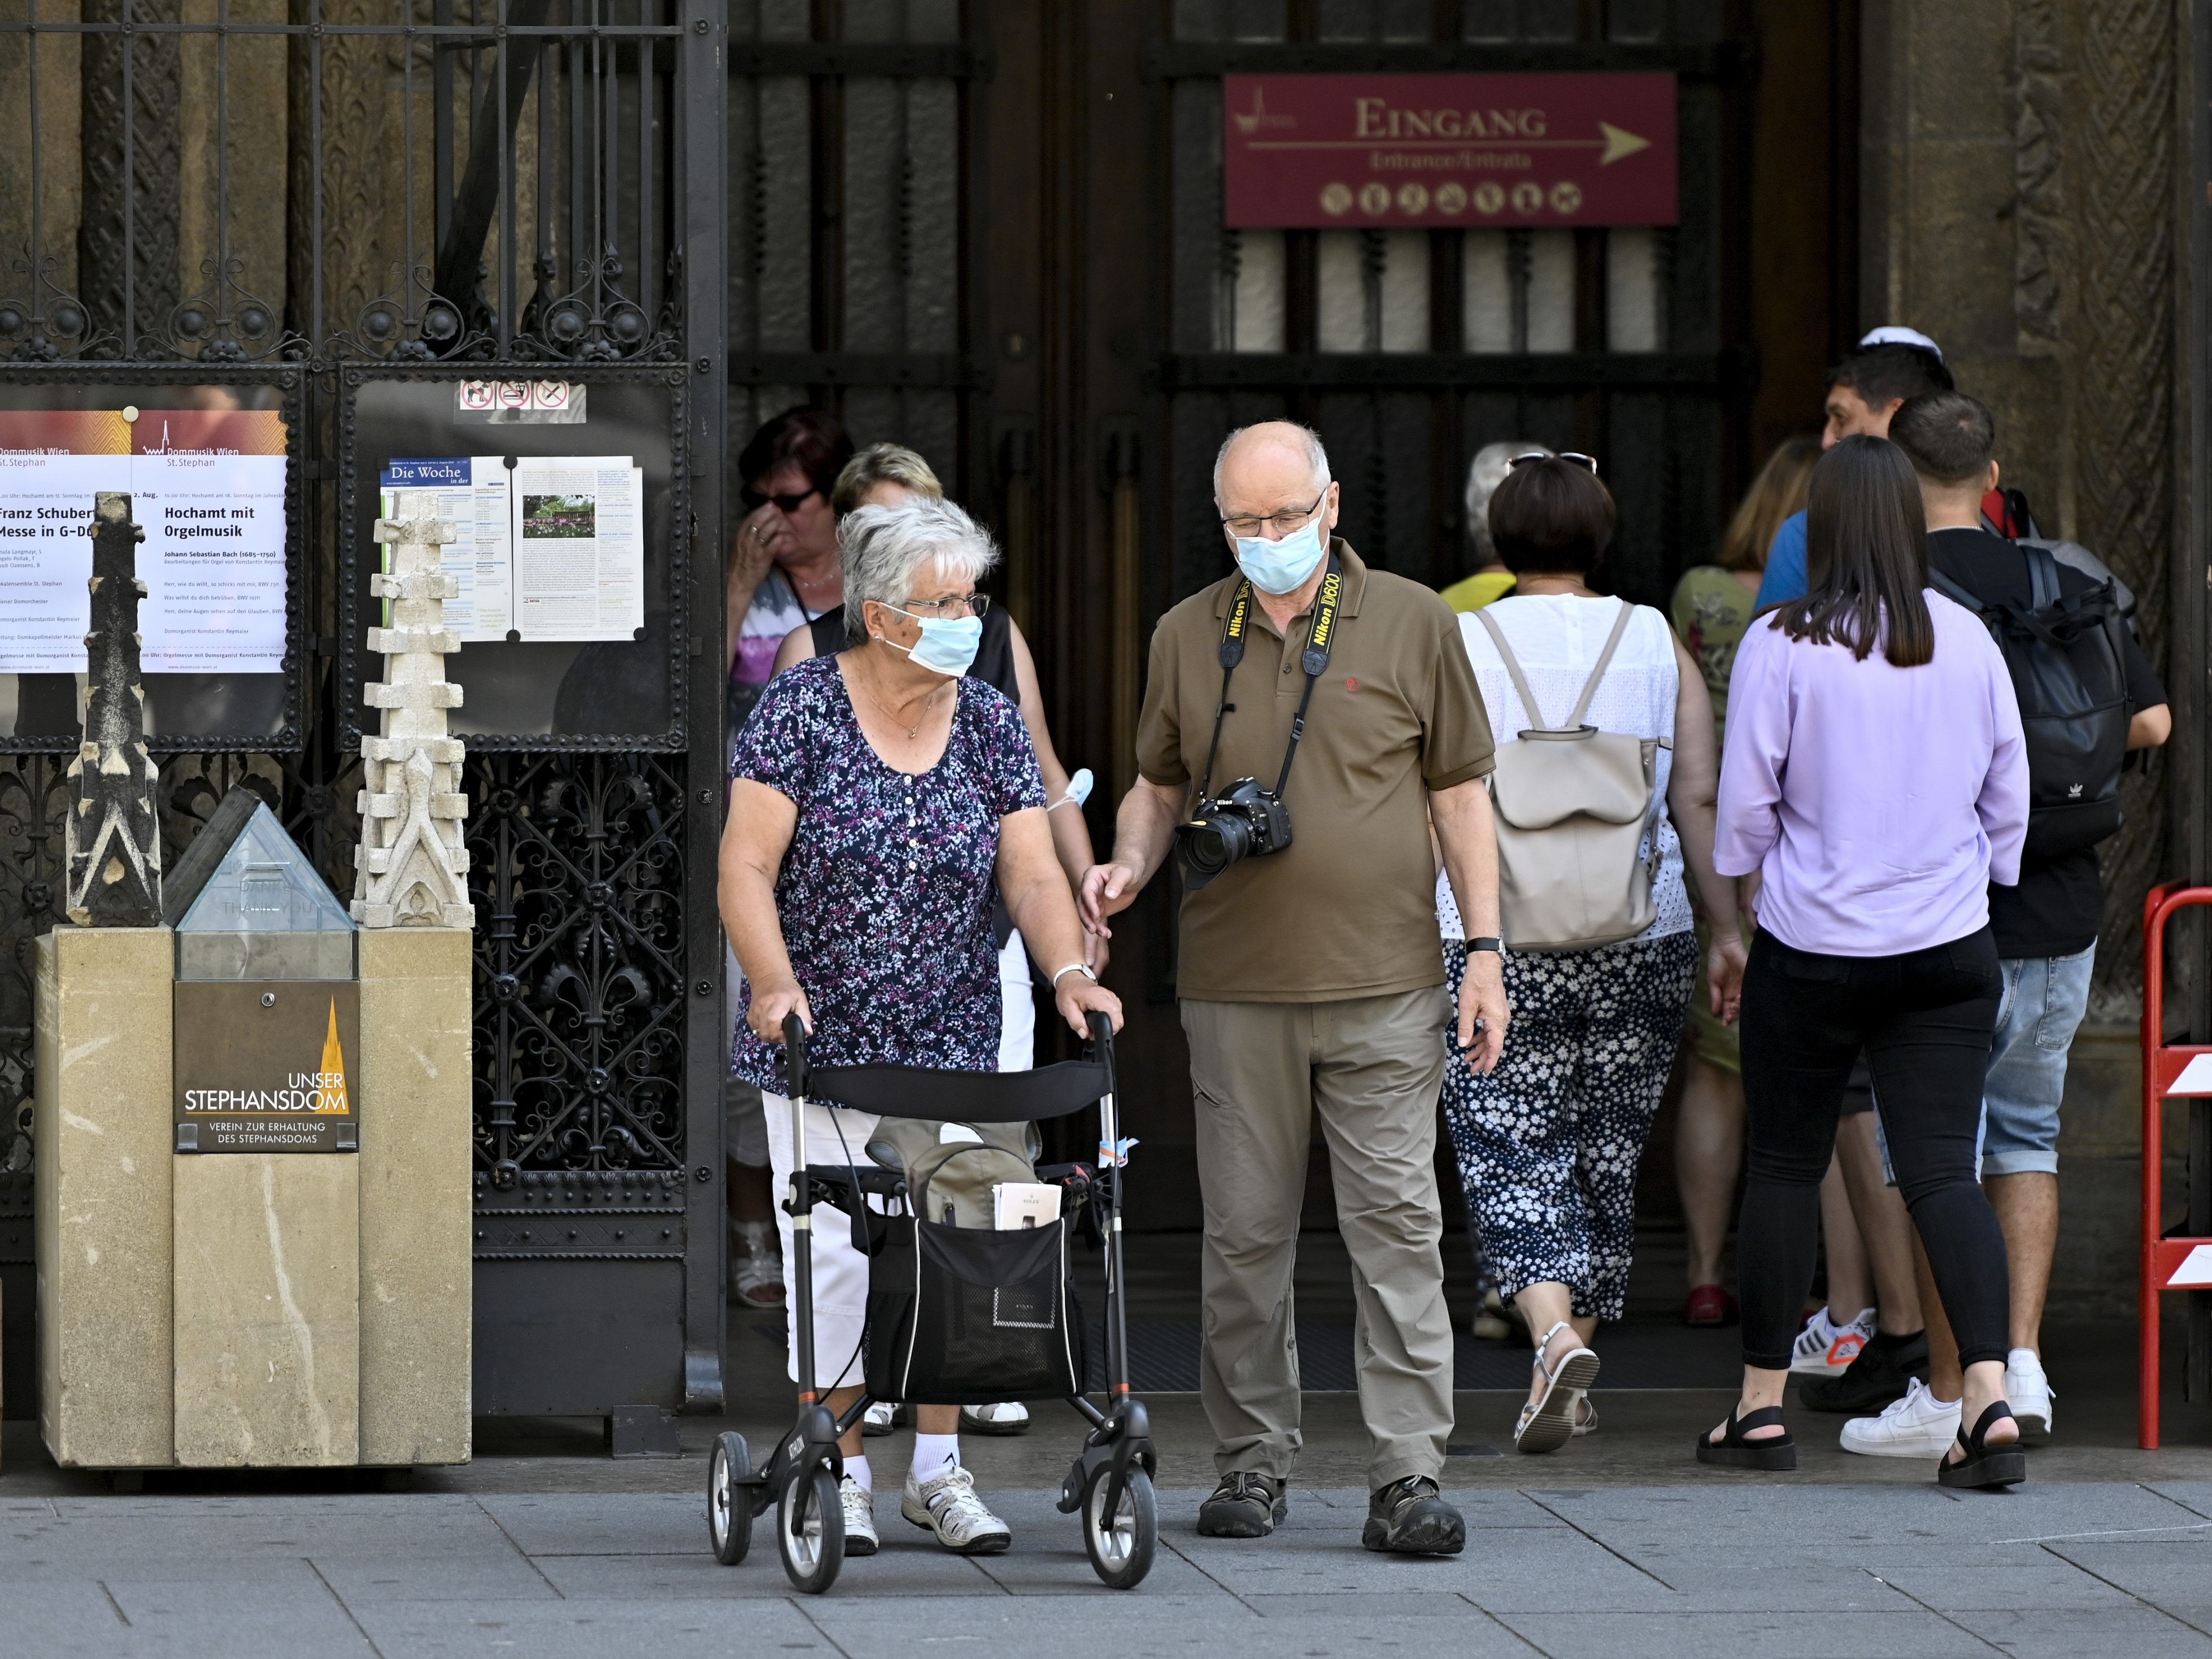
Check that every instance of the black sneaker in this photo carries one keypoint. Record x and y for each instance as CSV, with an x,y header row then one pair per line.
x,y
1877,1376
1410,1517
1242,1506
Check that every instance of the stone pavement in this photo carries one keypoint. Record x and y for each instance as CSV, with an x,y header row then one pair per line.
x,y
1619,1544
1713,1570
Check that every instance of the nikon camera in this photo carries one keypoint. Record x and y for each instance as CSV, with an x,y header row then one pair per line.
x,y
1248,822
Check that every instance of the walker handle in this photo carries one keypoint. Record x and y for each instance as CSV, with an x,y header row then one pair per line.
x,y
1101,1038
794,1056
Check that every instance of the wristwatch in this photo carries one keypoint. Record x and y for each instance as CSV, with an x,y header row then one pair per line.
x,y
1486,942
1083,969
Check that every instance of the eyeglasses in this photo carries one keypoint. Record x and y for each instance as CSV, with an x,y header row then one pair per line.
x,y
754,499
956,604
1574,455
1251,523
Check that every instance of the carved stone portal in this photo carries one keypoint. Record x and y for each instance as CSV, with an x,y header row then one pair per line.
x,y
413,866
114,839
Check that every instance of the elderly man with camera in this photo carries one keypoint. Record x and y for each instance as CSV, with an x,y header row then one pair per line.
x,y
1306,720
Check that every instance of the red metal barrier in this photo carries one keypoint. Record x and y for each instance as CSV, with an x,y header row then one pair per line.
x,y
2168,1264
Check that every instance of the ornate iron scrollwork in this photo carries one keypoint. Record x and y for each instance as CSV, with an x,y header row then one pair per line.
x,y
576,871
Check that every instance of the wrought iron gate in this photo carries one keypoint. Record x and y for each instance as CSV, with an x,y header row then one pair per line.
x,y
340,208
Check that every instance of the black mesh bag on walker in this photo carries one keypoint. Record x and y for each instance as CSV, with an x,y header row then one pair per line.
x,y
963,1314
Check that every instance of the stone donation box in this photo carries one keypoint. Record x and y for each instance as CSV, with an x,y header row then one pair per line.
x,y
257,1249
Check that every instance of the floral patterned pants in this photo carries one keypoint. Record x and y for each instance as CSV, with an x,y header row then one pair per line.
x,y
1549,1142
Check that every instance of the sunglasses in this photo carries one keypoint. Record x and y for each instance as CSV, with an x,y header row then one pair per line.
x,y
1574,455
754,500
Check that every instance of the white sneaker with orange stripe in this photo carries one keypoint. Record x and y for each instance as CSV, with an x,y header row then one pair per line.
x,y
1825,1349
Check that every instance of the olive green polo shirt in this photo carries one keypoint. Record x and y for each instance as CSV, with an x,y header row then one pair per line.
x,y
1349,908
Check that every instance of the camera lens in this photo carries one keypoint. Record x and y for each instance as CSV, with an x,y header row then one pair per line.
x,y
1220,843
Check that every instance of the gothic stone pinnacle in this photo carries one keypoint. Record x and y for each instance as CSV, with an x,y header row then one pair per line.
x,y
114,837
411,866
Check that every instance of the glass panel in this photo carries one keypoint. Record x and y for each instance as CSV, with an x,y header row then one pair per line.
x,y
1632,291
517,688
70,441
1486,291
1550,305
1341,308
264,885
1254,281
1405,291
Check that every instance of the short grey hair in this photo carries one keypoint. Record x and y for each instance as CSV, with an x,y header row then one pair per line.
x,y
1484,474
883,547
1314,453
881,463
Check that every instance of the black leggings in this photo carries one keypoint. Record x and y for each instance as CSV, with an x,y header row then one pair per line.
x,y
1925,1020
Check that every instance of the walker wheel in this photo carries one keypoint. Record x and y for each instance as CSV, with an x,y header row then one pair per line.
x,y
810,1530
1121,1548
729,1503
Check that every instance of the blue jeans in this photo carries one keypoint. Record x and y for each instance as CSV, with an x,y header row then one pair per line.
x,y
2044,998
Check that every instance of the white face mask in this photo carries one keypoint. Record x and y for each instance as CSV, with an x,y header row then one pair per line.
x,y
1282,566
947,645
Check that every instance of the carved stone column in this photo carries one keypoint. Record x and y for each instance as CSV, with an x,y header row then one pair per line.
x,y
114,838
412,865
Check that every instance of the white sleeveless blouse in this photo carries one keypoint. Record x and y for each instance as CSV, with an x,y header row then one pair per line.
x,y
1557,637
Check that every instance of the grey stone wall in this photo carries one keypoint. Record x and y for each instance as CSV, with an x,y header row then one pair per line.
x,y
2022,203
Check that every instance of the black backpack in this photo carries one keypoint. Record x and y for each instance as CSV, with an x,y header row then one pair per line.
x,y
2065,657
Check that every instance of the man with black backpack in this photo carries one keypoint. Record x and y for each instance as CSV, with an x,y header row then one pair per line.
x,y
2086,698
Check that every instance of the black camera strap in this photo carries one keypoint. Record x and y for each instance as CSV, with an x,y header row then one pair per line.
x,y
1320,638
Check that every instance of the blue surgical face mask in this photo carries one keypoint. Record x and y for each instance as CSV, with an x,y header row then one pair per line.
x,y
948,644
1282,566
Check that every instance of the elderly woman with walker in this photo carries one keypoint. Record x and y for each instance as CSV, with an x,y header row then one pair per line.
x,y
877,794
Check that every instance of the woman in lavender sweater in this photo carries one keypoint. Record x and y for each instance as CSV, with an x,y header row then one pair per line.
x,y
1874,779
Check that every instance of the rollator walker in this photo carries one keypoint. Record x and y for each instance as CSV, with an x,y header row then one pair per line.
x,y
956,1315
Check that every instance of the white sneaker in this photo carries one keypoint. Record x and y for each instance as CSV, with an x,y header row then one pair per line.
x,y
880,1418
860,1516
1006,1417
946,1503
1825,1349
1919,1425
2029,1393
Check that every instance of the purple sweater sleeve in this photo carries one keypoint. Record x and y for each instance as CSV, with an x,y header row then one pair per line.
x,y
1755,754
2003,803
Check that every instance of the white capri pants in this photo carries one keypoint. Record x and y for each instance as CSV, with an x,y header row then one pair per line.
x,y
840,1272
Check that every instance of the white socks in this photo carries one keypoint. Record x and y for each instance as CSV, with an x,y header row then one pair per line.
x,y
932,1453
858,1472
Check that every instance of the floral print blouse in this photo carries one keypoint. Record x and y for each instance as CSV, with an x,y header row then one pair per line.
x,y
885,893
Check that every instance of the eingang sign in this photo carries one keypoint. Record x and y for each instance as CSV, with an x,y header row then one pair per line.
x,y
1406,151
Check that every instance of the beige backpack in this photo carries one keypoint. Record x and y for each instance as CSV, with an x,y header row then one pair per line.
x,y
1572,805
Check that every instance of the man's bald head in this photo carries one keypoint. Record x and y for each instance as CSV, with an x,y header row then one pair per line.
x,y
1270,478
1268,452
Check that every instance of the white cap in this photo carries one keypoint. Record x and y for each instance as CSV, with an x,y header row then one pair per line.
x,y
1894,334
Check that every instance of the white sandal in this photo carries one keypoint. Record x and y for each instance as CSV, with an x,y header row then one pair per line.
x,y
1548,1422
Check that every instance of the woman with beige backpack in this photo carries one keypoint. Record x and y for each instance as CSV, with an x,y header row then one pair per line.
x,y
1604,792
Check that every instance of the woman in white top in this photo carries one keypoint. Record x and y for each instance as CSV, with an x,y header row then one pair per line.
x,y
1548,1143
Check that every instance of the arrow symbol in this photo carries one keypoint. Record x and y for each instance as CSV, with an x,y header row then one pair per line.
x,y
1618,143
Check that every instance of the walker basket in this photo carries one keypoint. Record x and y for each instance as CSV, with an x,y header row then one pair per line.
x,y
965,1315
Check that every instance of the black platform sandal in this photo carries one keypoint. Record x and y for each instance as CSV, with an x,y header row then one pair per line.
x,y
1985,1465
1733,1451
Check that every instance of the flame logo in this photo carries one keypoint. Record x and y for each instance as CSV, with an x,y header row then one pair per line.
x,y
331,1096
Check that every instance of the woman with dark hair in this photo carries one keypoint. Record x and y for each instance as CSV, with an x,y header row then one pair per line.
x,y
1548,1143
784,569
1876,781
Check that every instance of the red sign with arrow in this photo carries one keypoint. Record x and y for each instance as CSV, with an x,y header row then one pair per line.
x,y
1322,151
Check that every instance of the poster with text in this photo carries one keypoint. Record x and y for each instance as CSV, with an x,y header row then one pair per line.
x,y
207,486
579,545
470,492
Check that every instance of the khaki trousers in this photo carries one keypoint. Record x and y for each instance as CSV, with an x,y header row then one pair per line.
x,y
1370,1068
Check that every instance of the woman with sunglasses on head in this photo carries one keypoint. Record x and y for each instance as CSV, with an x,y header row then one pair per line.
x,y
784,570
1876,781
1548,1143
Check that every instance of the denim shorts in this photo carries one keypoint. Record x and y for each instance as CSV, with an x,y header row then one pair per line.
x,y
2044,1000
